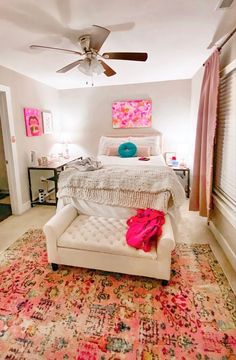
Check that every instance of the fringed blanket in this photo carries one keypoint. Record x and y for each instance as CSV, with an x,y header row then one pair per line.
x,y
122,186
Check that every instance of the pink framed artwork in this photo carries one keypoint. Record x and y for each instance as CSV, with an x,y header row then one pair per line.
x,y
33,122
132,114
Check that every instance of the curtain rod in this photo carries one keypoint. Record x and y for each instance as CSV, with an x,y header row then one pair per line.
x,y
224,42
227,39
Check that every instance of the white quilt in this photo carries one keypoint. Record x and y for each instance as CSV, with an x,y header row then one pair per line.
x,y
125,186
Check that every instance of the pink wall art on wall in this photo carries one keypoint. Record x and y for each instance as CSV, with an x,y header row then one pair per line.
x,y
132,114
33,122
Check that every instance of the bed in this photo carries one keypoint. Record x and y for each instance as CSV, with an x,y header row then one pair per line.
x,y
83,228
154,141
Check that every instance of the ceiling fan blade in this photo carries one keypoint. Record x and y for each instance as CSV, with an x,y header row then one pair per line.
x,y
55,48
133,56
69,67
108,70
98,36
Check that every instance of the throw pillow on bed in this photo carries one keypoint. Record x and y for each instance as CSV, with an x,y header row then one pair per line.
x,y
112,151
127,149
143,151
106,142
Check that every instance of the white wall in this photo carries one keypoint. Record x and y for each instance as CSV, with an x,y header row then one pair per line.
x,y
29,93
86,113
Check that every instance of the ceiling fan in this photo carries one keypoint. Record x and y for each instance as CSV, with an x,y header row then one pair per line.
x,y
91,61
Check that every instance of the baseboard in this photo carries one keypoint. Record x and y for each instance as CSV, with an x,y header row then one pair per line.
x,y
231,256
25,206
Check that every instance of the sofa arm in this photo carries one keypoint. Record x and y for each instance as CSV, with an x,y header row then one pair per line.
x,y
55,227
166,242
61,220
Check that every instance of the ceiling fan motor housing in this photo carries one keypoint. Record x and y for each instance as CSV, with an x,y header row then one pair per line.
x,y
85,42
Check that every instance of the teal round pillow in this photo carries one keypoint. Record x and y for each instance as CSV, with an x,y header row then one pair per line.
x,y
127,150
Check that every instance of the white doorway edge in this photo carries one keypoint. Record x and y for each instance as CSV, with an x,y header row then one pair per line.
x,y
10,149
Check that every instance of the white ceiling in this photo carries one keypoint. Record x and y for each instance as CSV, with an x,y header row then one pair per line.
x,y
175,33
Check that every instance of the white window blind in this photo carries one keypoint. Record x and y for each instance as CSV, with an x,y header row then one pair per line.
x,y
225,156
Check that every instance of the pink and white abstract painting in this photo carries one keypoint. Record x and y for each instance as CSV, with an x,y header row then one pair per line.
x,y
132,114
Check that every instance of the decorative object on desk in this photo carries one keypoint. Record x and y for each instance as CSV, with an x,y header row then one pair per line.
x,y
33,122
60,156
182,151
47,122
33,158
44,160
132,114
168,157
174,161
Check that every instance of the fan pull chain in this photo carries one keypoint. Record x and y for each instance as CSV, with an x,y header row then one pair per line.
x,y
92,82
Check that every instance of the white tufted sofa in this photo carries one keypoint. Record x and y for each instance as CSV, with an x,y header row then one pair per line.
x,y
99,243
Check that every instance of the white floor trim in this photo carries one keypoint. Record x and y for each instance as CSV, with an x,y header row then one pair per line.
x,y
224,245
25,206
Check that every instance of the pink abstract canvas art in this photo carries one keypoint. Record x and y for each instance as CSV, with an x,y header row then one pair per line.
x,y
33,122
132,114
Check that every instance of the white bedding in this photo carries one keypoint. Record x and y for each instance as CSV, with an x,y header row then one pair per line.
x,y
92,208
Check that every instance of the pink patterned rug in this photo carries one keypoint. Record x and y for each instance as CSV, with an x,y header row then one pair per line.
x,y
92,315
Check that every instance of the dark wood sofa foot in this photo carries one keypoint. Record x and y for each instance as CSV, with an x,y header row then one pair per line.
x,y
54,267
164,282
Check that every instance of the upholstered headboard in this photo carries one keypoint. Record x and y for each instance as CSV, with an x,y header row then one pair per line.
x,y
154,133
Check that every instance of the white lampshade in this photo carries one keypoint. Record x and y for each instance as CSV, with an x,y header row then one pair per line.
x,y
64,138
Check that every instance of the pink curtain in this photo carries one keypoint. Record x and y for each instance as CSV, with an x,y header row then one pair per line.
x,y
201,193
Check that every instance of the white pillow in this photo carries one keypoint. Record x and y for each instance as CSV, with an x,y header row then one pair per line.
x,y
106,142
152,141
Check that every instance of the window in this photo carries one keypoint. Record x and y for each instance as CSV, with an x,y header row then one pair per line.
x,y
225,156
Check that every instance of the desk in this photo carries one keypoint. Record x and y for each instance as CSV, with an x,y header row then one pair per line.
x,y
56,167
185,173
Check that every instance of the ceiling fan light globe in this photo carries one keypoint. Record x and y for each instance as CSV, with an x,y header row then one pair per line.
x,y
84,67
96,67
91,66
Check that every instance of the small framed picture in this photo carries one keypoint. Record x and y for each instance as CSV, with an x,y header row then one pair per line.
x,y
168,157
47,122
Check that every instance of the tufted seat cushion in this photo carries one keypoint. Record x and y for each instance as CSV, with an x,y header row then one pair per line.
x,y
106,235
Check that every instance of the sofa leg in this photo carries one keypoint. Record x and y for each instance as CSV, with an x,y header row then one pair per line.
x,y
54,266
164,282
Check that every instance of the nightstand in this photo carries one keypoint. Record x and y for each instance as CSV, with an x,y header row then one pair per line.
x,y
55,167
184,173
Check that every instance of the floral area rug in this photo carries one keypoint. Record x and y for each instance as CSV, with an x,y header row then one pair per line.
x,y
84,314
